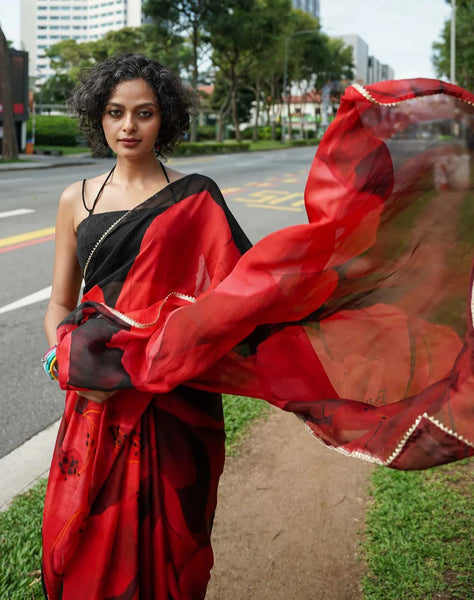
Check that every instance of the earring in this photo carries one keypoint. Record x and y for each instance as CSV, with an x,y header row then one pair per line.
x,y
157,147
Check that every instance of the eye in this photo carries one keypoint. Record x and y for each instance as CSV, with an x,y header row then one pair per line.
x,y
114,112
144,114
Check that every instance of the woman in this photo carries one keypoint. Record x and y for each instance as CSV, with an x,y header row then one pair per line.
x,y
338,321
140,110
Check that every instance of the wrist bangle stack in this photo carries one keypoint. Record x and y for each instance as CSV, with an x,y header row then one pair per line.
x,y
50,363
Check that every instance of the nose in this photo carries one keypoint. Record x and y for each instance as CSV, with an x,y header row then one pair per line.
x,y
129,123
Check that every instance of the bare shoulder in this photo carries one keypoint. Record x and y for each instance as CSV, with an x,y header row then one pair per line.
x,y
71,193
71,202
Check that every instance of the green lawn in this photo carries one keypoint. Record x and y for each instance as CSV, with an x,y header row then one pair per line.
x,y
418,543
419,538
64,149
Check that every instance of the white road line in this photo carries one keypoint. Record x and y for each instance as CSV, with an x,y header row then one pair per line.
x,y
15,213
15,179
39,296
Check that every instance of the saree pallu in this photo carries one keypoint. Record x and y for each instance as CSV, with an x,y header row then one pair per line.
x,y
359,322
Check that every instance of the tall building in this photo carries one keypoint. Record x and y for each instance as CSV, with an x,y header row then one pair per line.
x,y
367,69
387,73
309,6
360,55
374,70
47,22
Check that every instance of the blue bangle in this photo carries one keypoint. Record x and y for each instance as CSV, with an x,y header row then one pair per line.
x,y
50,361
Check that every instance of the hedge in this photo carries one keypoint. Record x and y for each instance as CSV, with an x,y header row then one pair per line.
x,y
53,130
193,148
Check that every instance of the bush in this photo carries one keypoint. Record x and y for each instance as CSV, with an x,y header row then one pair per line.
x,y
54,130
309,142
264,133
191,148
206,132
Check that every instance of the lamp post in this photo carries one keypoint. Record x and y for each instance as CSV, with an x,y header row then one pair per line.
x,y
33,119
285,74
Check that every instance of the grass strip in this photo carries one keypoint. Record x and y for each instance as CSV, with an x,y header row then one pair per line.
x,y
20,525
20,546
239,412
419,540
64,149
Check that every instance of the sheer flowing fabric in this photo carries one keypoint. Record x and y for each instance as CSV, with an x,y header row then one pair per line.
x,y
360,322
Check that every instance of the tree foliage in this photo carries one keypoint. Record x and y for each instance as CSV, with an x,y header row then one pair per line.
x,y
69,57
188,17
242,42
464,47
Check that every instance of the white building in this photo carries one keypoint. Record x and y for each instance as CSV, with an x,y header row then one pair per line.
x,y
47,22
309,6
360,55
374,70
387,73
367,69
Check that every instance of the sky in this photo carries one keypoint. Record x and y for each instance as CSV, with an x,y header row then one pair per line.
x,y
398,32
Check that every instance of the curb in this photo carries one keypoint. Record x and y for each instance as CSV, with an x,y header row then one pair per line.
x,y
24,466
30,166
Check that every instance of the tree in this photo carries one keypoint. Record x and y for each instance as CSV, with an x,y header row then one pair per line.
x,y
56,89
188,16
233,33
68,58
271,19
10,145
441,57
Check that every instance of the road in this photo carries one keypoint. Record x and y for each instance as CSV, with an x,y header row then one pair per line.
x,y
264,190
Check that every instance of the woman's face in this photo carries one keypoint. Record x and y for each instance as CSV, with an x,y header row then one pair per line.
x,y
131,119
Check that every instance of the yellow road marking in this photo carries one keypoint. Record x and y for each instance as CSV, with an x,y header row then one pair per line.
x,y
25,237
230,190
284,198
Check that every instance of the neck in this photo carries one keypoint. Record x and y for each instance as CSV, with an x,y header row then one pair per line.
x,y
137,172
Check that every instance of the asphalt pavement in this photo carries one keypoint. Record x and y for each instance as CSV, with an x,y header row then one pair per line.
x,y
22,467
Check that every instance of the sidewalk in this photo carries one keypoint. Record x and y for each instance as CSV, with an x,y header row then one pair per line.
x,y
24,466
47,161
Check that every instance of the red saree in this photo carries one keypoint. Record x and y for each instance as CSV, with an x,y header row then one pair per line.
x,y
360,322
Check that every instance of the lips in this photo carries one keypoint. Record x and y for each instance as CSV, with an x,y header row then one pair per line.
x,y
129,142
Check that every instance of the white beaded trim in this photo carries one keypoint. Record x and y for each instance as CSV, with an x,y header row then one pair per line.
x,y
102,238
368,96
370,458
140,325
472,304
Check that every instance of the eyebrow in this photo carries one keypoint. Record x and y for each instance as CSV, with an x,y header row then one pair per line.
x,y
137,106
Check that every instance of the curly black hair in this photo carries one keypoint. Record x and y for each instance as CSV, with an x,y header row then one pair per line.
x,y
89,98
